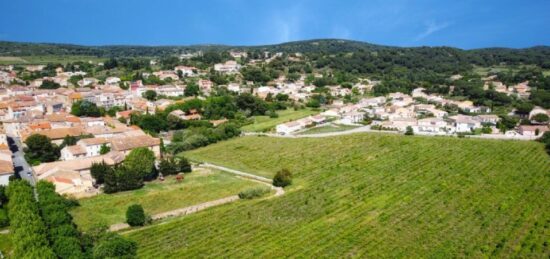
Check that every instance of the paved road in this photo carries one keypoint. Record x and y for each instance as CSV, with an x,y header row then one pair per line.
x,y
323,135
19,162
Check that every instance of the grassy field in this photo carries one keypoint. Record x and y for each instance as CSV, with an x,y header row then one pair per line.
x,y
328,128
156,197
47,59
264,123
373,195
6,246
483,71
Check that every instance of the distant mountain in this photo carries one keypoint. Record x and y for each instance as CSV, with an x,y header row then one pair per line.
x,y
8,48
539,55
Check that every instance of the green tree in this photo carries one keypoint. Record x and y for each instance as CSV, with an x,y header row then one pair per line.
x,y
282,178
109,181
171,165
48,84
192,89
127,179
135,215
540,118
140,160
68,141
85,108
150,95
104,149
99,171
40,148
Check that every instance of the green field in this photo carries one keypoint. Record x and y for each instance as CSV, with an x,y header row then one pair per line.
x,y
6,246
156,197
373,195
328,129
264,123
47,59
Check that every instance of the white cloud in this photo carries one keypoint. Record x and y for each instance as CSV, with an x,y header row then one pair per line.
x,y
285,25
340,32
431,28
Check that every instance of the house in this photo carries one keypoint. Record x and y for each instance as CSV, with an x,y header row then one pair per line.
x,y
191,115
185,70
56,135
84,148
352,117
73,176
205,85
532,130
112,80
6,165
488,119
288,128
464,123
169,90
433,125
126,144
400,124
230,66
163,75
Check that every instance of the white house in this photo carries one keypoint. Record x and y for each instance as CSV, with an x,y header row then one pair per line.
x,y
230,66
433,125
185,70
112,80
288,128
6,166
464,123
352,117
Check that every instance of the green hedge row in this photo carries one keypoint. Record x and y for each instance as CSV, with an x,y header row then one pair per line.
x,y
62,233
29,233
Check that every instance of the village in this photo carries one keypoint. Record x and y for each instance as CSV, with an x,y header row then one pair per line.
x,y
32,107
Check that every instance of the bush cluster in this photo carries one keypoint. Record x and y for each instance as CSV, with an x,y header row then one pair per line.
x,y
282,178
254,192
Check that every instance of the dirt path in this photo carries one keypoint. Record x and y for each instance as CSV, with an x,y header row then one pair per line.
x,y
202,206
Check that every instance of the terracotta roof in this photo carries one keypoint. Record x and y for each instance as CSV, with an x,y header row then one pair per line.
x,y
94,141
6,167
58,133
128,143
76,150
40,125
57,179
110,158
75,96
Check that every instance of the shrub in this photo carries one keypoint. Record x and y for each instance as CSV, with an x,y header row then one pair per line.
x,y
409,131
4,221
135,216
282,178
254,192
112,245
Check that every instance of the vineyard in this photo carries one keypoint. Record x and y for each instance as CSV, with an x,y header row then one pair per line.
x,y
372,195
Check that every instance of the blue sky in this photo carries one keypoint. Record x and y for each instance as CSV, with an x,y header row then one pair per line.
x,y
459,23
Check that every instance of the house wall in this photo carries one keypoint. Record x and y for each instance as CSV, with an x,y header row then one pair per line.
x,y
4,179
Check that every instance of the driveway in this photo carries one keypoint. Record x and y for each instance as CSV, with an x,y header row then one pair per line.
x,y
19,163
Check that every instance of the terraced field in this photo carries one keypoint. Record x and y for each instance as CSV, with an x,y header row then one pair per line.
x,y
372,195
